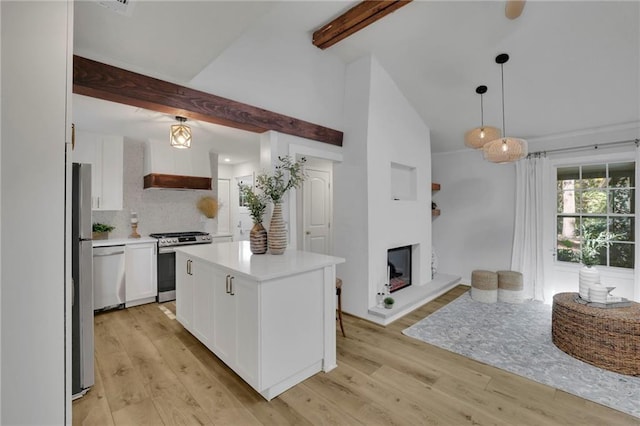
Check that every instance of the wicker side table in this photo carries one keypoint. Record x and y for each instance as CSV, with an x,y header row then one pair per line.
x,y
606,338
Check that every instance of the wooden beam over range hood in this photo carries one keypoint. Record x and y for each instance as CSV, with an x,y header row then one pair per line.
x,y
103,81
358,17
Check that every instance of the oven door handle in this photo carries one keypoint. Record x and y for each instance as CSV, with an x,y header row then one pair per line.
x,y
163,250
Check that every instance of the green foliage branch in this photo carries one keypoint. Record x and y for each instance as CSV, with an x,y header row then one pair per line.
x,y
288,174
256,203
592,243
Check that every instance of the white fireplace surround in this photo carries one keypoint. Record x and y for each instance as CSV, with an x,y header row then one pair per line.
x,y
382,194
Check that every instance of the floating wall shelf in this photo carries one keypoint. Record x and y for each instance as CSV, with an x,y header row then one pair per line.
x,y
435,187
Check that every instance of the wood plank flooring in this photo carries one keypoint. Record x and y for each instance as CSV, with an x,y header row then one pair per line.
x,y
151,371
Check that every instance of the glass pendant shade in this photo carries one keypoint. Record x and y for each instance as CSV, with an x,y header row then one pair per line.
x,y
180,134
505,150
480,136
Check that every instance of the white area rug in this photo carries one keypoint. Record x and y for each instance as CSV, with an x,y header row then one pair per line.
x,y
517,338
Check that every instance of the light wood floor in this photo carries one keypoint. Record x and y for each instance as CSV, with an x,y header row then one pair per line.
x,y
150,371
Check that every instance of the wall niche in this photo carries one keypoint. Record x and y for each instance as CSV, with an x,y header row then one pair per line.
x,y
403,182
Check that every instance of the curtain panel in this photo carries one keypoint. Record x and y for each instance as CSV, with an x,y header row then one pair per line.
x,y
527,256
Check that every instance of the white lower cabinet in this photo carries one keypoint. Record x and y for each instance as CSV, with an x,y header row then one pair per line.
x,y
141,274
201,273
235,324
184,291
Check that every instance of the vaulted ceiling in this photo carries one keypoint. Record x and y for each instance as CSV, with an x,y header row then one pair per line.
x,y
574,65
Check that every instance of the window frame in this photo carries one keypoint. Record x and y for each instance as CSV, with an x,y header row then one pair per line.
x,y
607,159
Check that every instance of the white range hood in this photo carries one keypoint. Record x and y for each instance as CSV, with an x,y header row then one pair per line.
x,y
172,168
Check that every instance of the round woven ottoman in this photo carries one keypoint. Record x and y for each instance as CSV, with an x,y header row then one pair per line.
x,y
484,286
510,287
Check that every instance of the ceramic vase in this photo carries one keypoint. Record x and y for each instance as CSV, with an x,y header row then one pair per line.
x,y
277,237
589,276
258,239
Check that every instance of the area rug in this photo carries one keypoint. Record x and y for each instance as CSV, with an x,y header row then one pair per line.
x,y
517,338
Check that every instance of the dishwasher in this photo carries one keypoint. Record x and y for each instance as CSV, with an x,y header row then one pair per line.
x,y
108,277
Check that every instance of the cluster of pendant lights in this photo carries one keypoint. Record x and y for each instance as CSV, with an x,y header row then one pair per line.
x,y
180,134
496,147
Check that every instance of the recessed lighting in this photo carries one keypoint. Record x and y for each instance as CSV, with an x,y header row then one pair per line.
x,y
226,160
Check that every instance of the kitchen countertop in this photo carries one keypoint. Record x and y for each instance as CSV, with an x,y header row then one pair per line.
x,y
122,241
237,256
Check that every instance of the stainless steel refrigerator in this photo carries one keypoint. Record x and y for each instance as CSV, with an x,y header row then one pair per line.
x,y
82,374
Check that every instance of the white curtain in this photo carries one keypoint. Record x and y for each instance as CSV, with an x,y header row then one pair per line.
x,y
527,254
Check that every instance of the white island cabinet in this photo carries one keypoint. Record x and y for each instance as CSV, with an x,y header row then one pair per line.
x,y
269,318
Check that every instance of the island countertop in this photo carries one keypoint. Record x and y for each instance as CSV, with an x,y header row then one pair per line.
x,y
237,256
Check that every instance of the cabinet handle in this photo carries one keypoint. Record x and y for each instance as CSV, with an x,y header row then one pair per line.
x,y
227,284
189,267
231,290
109,253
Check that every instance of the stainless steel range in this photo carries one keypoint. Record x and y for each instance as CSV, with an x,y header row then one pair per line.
x,y
167,242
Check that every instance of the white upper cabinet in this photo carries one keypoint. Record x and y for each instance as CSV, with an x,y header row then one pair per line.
x,y
105,154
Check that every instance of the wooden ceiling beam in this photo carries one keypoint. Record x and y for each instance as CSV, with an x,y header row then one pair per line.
x,y
113,84
358,17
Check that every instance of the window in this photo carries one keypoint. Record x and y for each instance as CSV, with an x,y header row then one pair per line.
x,y
592,199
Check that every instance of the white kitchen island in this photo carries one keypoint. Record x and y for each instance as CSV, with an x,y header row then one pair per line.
x,y
270,318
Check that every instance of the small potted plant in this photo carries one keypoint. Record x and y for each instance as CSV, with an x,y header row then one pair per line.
x,y
388,302
101,231
256,203
588,255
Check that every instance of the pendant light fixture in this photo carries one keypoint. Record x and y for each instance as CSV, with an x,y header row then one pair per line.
x,y
478,137
180,134
505,149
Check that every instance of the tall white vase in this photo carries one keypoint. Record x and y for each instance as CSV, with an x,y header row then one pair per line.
x,y
277,235
589,276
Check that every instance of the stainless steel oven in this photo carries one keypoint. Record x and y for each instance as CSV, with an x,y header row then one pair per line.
x,y
167,242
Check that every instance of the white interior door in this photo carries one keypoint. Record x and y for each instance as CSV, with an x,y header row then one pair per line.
x,y
242,228
244,225
316,220
223,210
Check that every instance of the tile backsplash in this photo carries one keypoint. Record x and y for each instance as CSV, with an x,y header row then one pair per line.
x,y
159,210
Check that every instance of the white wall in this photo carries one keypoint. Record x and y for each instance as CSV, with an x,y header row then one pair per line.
x,y
270,68
381,127
351,194
34,130
477,199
